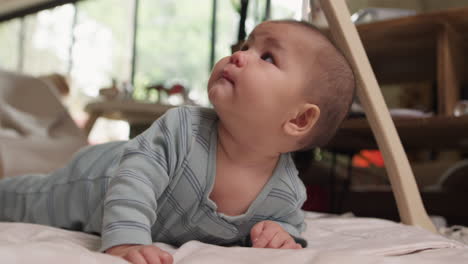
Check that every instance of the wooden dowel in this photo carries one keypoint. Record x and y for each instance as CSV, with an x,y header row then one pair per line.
x,y
405,190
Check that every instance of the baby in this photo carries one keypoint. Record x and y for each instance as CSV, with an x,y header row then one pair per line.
x,y
222,176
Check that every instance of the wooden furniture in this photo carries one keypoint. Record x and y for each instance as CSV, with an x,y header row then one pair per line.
x,y
437,132
406,193
426,47
135,112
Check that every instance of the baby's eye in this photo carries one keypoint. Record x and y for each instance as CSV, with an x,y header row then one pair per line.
x,y
268,58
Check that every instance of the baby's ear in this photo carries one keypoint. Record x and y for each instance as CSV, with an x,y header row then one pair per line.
x,y
303,121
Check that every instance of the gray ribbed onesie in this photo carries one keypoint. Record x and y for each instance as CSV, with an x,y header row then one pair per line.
x,y
154,187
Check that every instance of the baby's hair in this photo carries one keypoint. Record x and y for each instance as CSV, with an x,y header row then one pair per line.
x,y
333,92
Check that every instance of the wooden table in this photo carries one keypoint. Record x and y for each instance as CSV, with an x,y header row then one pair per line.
x,y
135,112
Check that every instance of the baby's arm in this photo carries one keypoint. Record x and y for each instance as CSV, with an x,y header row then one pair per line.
x,y
129,213
145,170
269,234
285,229
141,254
130,205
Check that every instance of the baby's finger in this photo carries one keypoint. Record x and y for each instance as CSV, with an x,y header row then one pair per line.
x,y
265,237
256,230
278,240
298,246
151,254
135,257
289,244
166,258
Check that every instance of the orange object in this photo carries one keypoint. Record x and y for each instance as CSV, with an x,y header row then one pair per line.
x,y
368,158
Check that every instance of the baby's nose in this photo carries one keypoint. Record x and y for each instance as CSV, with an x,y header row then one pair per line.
x,y
238,58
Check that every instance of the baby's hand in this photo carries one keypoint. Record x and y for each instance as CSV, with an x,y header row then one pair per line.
x,y
268,234
141,254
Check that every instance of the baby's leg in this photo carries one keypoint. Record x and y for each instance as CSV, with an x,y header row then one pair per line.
x,y
69,197
31,198
18,194
28,198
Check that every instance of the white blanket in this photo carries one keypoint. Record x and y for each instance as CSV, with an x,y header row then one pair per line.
x,y
331,240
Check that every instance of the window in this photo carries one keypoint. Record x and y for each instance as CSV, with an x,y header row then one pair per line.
x,y
173,45
279,9
47,41
291,9
102,52
103,45
227,26
10,45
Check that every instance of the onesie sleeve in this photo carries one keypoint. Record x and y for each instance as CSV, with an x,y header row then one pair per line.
x,y
294,224
146,168
283,206
293,192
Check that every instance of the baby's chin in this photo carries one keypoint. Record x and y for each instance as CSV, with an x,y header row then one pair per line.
x,y
212,97
218,93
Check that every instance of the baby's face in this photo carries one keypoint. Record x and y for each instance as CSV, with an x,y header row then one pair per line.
x,y
264,81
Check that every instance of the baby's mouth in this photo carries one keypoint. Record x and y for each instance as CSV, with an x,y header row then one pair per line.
x,y
225,75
